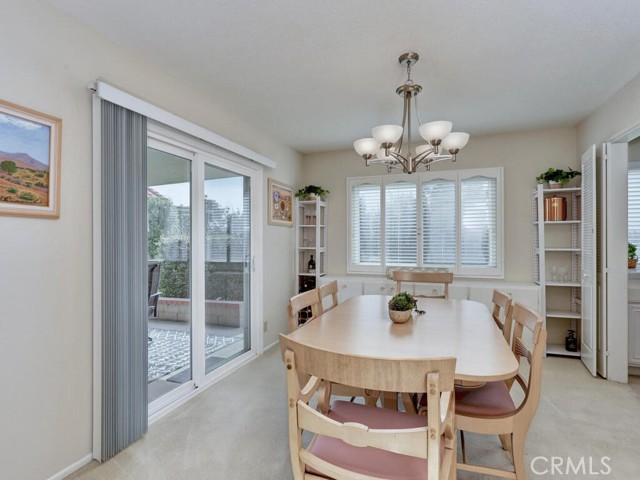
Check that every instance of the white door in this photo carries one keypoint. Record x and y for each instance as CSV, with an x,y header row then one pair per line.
x,y
588,266
614,262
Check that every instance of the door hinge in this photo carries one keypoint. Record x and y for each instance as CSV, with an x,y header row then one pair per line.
x,y
253,263
606,353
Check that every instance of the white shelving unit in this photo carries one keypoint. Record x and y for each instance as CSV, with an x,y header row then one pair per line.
x,y
311,239
557,244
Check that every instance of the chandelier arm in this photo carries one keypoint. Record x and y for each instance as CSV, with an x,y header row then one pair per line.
x,y
415,102
404,116
401,159
407,103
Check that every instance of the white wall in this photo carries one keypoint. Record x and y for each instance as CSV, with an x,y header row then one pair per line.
x,y
618,113
523,156
48,59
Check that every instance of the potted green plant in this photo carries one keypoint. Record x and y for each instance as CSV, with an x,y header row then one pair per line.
x,y
633,258
556,177
401,306
310,192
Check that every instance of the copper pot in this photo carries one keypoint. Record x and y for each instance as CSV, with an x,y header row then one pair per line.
x,y
555,209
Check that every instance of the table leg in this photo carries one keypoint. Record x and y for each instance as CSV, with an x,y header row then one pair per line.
x,y
390,400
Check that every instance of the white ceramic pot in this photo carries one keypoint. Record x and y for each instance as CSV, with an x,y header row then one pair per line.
x,y
399,316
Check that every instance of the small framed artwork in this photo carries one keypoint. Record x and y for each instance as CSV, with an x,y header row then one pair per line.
x,y
280,204
30,146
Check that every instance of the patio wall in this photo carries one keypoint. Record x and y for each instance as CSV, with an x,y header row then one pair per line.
x,y
217,312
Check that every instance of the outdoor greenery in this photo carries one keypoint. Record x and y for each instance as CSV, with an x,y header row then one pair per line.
x,y
402,301
311,189
158,210
557,175
223,281
632,251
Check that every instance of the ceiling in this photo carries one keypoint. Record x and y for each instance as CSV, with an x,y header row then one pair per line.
x,y
319,74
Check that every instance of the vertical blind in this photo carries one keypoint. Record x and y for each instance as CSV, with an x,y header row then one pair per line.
x,y
634,206
124,277
401,246
460,224
365,224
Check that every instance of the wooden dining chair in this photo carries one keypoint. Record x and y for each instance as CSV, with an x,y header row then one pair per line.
x,y
490,408
355,441
308,303
326,290
502,310
444,278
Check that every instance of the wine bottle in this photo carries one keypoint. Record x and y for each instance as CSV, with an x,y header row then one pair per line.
x,y
312,265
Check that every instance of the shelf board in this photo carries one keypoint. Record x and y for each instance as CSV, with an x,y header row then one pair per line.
x,y
311,202
562,222
562,249
311,226
305,274
561,190
563,314
563,284
321,250
557,349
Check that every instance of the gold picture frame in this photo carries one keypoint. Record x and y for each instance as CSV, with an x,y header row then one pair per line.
x,y
30,151
279,203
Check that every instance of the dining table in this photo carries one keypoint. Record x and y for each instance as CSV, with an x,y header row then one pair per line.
x,y
463,329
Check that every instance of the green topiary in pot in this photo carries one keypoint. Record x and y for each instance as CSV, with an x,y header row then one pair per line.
x,y
401,306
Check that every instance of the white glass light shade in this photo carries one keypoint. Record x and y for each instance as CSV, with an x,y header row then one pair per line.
x,y
420,149
435,130
455,140
366,146
387,133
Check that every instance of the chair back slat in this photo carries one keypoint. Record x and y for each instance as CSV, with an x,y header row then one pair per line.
x,y
328,289
444,278
310,300
502,309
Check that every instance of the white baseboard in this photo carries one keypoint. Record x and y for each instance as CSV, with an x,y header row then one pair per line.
x,y
634,370
65,472
270,346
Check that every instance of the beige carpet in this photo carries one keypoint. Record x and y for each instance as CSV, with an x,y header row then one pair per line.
x,y
237,429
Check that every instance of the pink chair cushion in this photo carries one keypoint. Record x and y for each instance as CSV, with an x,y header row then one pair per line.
x,y
371,461
490,400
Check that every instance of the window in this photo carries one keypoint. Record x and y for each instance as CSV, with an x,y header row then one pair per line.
x,y
634,203
449,219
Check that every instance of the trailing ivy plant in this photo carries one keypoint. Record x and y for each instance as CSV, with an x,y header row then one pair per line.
x,y
304,192
557,175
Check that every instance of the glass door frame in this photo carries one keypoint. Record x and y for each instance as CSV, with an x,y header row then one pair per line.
x,y
206,153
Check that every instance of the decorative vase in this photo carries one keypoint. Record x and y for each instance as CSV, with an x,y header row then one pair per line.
x,y
553,184
399,316
632,262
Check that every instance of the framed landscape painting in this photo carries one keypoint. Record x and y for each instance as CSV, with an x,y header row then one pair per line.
x,y
280,204
30,146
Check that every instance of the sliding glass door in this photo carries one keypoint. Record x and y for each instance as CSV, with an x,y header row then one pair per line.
x,y
169,265
227,212
201,230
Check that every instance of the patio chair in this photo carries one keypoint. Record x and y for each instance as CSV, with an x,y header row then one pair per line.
x,y
154,294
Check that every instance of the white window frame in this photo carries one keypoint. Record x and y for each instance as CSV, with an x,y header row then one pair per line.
x,y
419,179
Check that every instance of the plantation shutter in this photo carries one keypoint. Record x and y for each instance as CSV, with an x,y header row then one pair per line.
x,y
439,222
634,204
401,242
365,224
478,222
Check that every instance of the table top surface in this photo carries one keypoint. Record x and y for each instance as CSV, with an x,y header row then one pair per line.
x,y
449,328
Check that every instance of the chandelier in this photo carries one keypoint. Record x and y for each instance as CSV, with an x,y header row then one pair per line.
x,y
388,140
